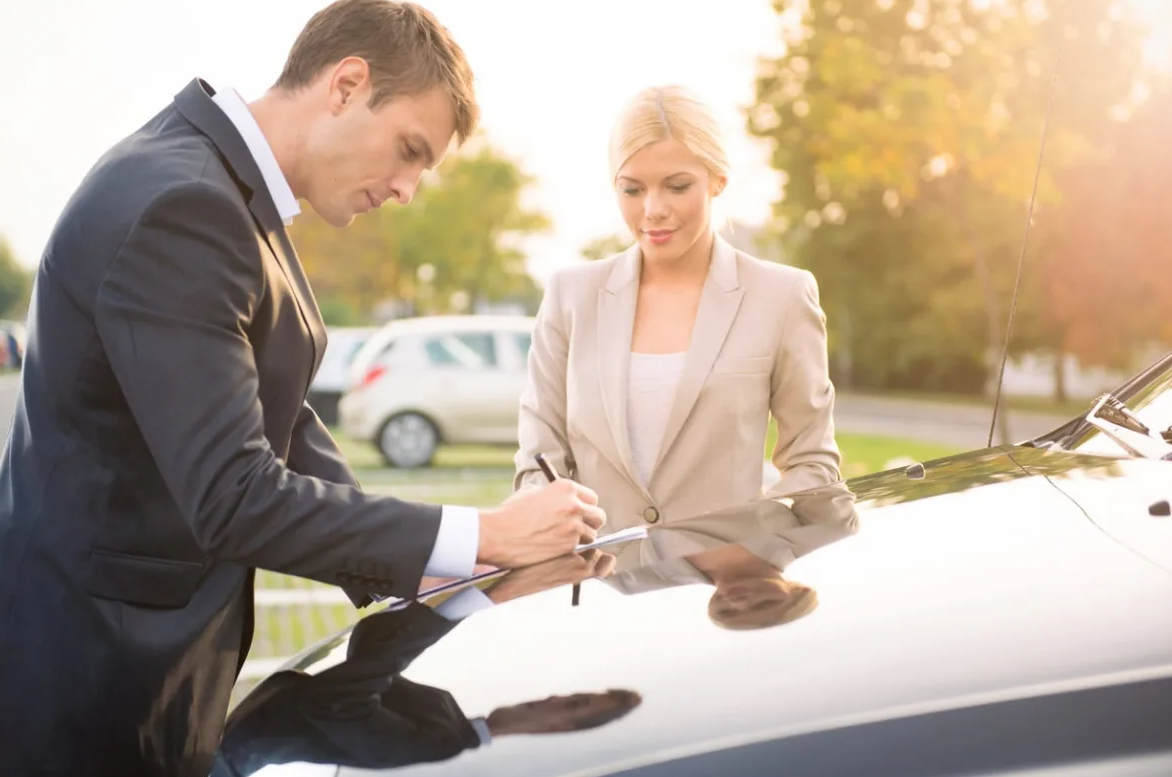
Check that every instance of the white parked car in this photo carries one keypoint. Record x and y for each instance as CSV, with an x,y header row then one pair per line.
x,y
420,382
333,376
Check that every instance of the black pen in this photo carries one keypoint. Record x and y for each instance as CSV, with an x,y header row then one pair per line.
x,y
551,476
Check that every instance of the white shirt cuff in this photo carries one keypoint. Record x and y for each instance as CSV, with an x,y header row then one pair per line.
x,y
467,602
456,543
482,731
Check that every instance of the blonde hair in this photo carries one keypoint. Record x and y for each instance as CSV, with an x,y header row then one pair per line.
x,y
668,112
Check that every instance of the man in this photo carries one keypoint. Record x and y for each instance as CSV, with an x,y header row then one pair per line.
x,y
161,447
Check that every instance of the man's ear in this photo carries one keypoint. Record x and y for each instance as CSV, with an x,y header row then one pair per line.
x,y
349,83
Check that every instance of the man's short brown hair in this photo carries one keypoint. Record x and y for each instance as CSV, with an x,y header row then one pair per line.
x,y
407,49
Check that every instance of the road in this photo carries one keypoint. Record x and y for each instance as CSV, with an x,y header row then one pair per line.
x,y
961,425
946,423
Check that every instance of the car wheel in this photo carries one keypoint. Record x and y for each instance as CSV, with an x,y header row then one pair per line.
x,y
408,440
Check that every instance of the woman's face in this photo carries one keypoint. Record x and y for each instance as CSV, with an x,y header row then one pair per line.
x,y
665,195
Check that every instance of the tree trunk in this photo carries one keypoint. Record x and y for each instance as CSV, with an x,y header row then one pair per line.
x,y
1060,376
992,315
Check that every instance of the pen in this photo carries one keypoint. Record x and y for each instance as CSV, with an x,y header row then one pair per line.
x,y
551,476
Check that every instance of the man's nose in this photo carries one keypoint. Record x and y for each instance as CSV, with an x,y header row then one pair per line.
x,y
403,190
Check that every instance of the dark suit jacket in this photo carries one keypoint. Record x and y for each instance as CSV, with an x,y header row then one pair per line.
x,y
161,449
360,713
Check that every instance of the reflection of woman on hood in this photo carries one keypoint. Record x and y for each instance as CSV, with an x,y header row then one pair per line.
x,y
742,552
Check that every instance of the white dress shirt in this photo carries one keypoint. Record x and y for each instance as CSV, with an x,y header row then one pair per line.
x,y
454,553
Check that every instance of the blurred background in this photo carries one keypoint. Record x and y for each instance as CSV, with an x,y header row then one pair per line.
x,y
889,146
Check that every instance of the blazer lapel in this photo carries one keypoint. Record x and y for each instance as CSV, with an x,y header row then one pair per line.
x,y
615,325
196,104
719,301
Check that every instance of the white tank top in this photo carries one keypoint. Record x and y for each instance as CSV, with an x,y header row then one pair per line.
x,y
651,392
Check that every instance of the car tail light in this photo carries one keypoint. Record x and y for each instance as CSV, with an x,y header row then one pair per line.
x,y
372,374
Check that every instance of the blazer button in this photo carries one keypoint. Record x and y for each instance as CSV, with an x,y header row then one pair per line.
x,y
650,514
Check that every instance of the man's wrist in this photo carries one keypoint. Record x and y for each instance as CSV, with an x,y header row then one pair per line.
x,y
457,543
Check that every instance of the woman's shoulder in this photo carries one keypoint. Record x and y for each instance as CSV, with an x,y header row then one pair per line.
x,y
773,276
584,276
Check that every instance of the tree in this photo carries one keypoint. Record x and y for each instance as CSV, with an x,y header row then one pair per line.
x,y
455,246
606,245
1109,245
15,282
929,112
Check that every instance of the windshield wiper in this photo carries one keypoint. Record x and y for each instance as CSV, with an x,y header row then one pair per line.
x,y
1112,417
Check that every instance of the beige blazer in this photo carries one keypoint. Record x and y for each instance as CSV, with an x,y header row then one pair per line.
x,y
758,347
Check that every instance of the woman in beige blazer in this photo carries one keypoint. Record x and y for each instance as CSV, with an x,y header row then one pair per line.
x,y
653,373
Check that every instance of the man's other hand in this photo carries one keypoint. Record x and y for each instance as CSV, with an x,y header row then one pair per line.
x,y
536,524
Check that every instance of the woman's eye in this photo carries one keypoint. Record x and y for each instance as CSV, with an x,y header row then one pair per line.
x,y
679,188
409,152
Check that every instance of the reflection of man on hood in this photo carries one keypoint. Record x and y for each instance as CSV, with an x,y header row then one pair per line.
x,y
742,552
362,713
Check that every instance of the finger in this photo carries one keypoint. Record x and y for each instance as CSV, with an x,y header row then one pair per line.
x,y
586,494
593,515
605,566
586,533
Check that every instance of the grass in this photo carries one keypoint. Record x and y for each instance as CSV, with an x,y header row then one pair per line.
x,y
1069,408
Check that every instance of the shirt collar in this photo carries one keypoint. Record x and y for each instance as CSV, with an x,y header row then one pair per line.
x,y
233,105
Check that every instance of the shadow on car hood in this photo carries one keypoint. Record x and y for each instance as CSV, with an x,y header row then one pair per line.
x,y
876,598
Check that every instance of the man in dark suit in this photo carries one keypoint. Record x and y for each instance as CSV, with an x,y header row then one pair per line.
x,y
162,448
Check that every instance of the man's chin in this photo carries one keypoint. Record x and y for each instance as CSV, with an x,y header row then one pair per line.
x,y
337,219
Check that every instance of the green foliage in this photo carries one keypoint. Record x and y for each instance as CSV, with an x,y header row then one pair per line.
x,y
908,133
605,246
15,282
455,245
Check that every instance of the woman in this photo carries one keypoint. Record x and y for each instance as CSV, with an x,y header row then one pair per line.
x,y
653,373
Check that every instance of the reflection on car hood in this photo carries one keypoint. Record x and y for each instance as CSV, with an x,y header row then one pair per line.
x,y
871,599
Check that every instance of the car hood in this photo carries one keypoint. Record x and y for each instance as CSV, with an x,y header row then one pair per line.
x,y
885,596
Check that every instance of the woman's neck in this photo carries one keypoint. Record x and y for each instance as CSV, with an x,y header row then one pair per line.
x,y
689,269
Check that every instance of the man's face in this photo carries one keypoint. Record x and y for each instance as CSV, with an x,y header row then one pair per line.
x,y
358,158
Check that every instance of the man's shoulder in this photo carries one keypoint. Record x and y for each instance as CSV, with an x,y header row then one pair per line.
x,y
155,164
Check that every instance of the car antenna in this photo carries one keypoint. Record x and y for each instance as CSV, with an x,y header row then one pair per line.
x,y
1024,242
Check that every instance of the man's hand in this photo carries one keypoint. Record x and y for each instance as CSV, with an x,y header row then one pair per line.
x,y
536,524
564,570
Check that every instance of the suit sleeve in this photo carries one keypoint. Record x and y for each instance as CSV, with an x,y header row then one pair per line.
x,y
312,450
541,426
802,397
173,315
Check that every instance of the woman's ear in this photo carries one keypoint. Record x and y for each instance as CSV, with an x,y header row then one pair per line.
x,y
718,185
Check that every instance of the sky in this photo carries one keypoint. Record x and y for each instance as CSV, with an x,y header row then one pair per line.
x,y
78,75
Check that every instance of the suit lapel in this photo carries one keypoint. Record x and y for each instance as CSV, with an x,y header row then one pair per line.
x,y
302,293
196,104
719,301
616,323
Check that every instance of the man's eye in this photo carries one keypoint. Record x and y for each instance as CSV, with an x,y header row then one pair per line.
x,y
630,192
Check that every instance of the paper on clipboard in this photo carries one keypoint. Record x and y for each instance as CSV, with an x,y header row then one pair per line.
x,y
625,535
633,533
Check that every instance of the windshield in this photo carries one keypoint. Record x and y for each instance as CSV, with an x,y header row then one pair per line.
x,y
1149,400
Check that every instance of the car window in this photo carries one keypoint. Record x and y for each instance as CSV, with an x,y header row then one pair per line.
x,y
470,350
524,340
